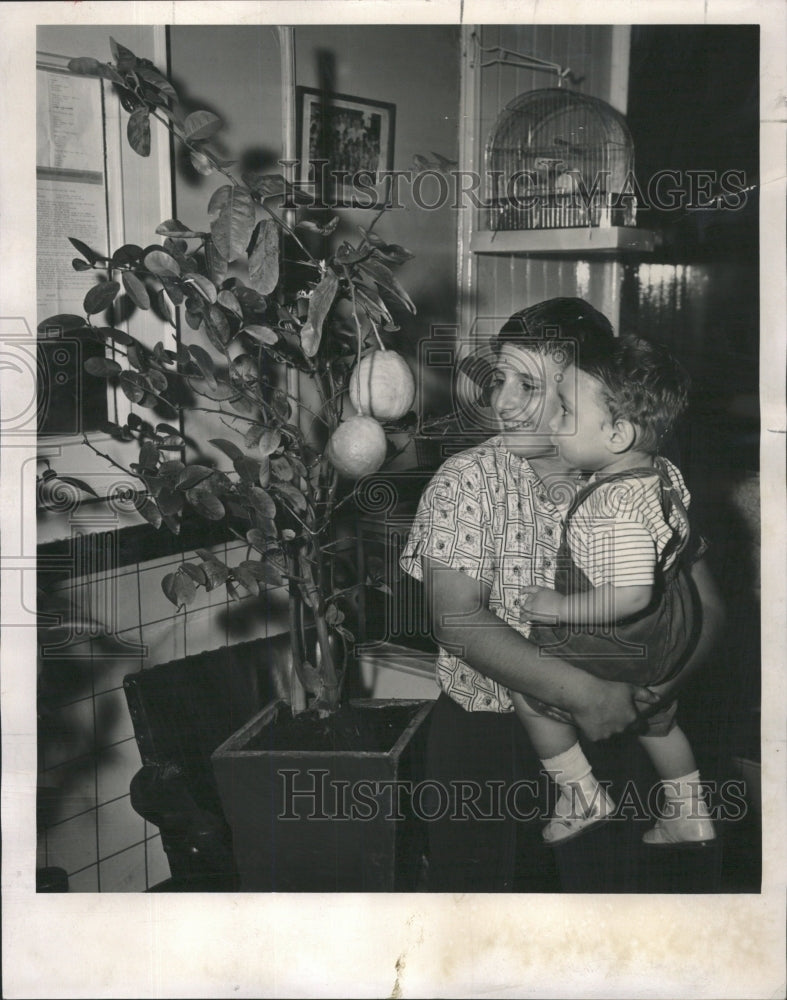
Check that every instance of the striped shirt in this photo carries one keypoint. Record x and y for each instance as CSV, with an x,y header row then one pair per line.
x,y
486,513
619,534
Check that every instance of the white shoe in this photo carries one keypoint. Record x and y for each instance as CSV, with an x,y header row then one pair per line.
x,y
688,825
576,810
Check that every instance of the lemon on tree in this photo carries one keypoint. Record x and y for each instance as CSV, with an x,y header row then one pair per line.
x,y
357,447
382,386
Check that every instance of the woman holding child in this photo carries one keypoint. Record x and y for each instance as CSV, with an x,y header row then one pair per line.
x,y
485,543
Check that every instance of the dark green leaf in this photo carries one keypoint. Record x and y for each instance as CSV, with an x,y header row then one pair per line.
x,y
347,254
201,125
157,380
298,466
383,276
313,227
251,301
204,362
216,264
162,263
100,297
233,225
281,404
281,468
257,539
138,131
80,265
161,83
320,302
272,185
296,499
262,502
218,392
247,468
87,252
263,570
230,450
136,290
229,301
217,327
192,475
172,521
110,333
246,579
172,468
133,387
169,501
179,588
208,506
174,227
148,510
269,440
373,305
148,456
102,367
394,253
129,253
204,285
215,571
173,290
166,429
262,334
197,573
125,59
264,258
242,405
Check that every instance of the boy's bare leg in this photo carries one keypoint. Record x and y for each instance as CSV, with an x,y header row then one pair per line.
x,y
582,801
686,817
671,754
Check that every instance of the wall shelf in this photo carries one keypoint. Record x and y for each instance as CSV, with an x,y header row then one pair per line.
x,y
585,239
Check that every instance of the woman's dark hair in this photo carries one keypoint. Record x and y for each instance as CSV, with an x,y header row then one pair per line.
x,y
569,330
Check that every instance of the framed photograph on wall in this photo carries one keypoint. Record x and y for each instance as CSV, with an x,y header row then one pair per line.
x,y
345,146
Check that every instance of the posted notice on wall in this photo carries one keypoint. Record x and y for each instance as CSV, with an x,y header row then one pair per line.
x,y
71,192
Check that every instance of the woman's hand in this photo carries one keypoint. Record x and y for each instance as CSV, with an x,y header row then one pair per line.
x,y
604,708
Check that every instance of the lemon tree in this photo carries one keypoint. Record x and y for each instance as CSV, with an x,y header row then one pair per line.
x,y
275,470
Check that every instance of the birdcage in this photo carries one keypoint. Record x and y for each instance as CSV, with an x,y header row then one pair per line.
x,y
557,159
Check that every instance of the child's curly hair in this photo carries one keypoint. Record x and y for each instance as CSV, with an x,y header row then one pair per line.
x,y
643,383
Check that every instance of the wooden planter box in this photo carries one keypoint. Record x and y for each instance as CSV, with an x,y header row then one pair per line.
x,y
327,820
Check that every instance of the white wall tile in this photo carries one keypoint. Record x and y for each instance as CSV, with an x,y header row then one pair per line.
x,y
66,733
117,765
119,827
73,845
113,721
124,872
84,881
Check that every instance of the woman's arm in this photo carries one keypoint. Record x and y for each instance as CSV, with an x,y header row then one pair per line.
x,y
712,611
463,623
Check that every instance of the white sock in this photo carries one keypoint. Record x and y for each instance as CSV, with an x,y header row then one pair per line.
x,y
570,768
683,797
686,787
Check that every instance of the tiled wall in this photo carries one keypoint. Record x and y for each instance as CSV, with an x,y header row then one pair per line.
x,y
87,750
